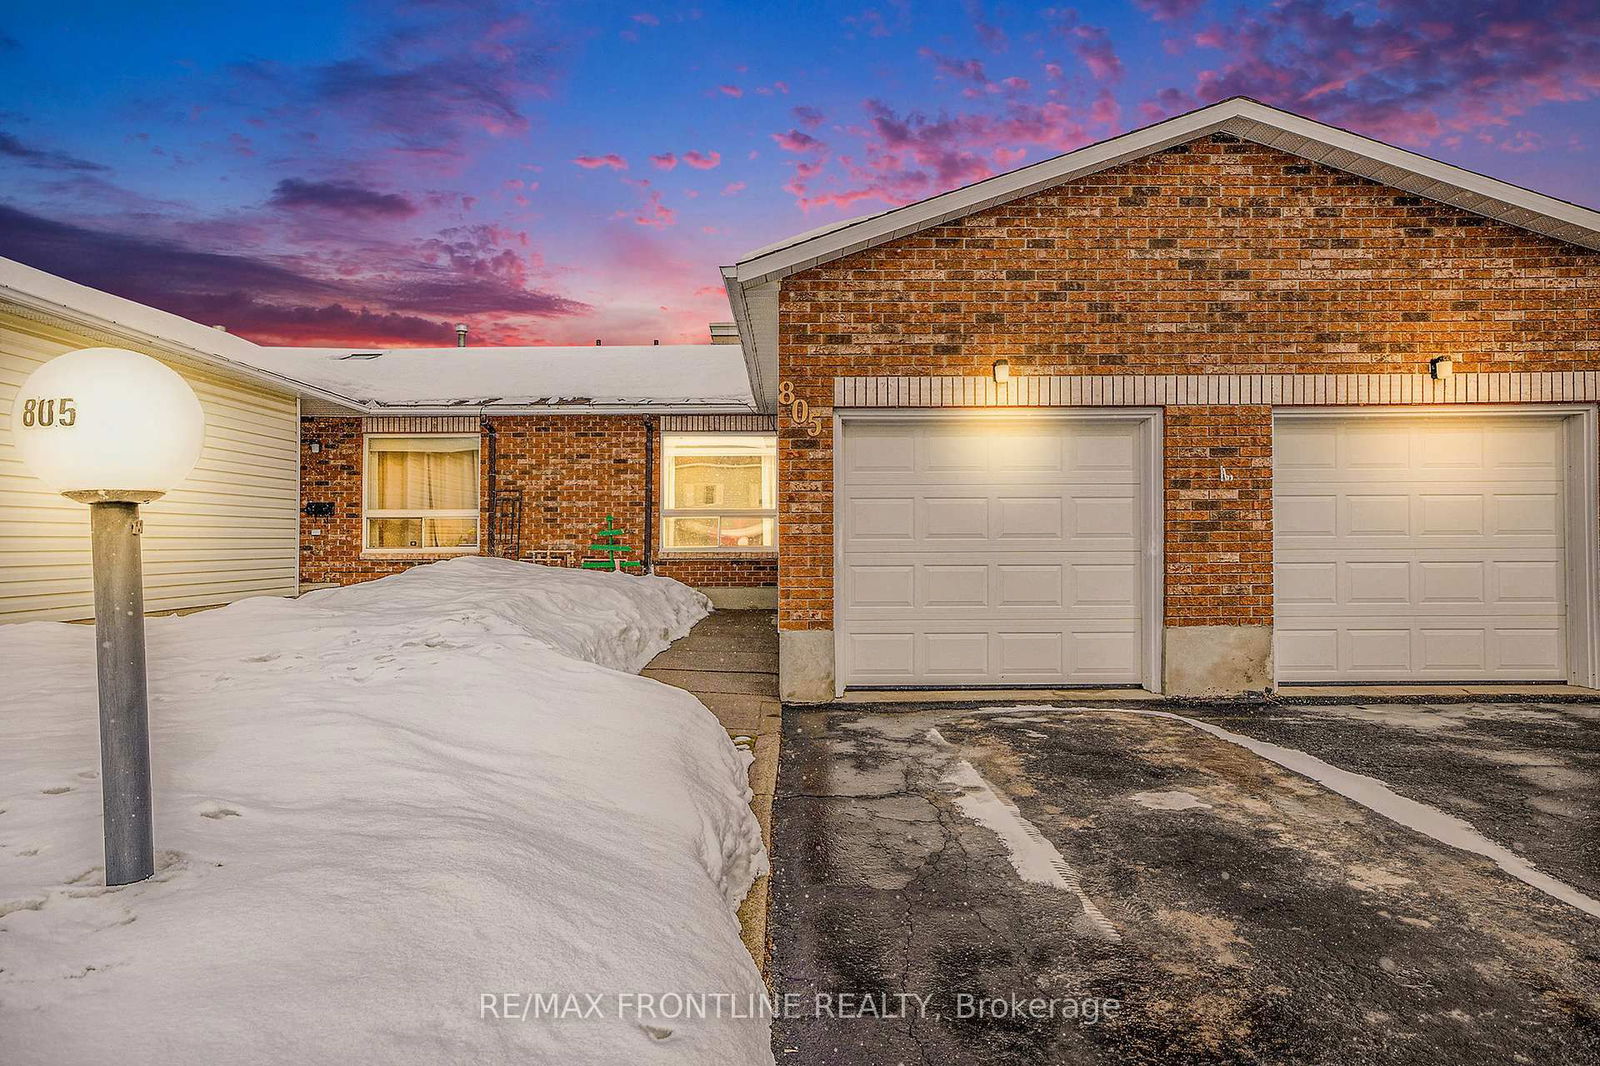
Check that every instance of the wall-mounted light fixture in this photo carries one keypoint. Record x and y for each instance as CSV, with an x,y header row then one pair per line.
x,y
1441,367
1002,371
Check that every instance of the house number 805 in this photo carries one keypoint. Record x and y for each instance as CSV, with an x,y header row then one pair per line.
x,y
799,411
62,412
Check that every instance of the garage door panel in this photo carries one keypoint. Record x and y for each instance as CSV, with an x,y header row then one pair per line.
x,y
954,654
1031,585
1374,514
1019,652
881,584
879,518
1030,657
1537,583
1375,582
1425,549
1533,648
883,450
1526,514
951,518
959,584
1308,516
1030,518
986,553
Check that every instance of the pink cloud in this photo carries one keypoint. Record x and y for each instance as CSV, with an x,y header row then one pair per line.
x,y
655,213
809,117
664,161
1412,71
646,19
895,158
595,162
1092,45
730,90
796,141
733,188
702,161
968,70
1169,10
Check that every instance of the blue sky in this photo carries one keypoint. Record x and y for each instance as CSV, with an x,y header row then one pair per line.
x,y
372,173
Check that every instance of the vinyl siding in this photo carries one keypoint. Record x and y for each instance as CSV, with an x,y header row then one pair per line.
x,y
230,531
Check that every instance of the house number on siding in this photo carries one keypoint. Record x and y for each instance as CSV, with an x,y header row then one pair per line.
x,y
62,412
799,411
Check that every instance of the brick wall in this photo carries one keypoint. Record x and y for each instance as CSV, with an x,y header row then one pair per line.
x,y
1212,257
570,470
1218,515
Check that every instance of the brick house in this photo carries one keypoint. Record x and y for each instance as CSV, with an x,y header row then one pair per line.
x,y
1231,401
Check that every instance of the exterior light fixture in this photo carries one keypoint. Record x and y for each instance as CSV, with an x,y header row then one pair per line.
x,y
114,429
1441,367
1002,371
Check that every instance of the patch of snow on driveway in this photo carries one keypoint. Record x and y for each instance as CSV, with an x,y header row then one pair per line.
x,y
1379,797
1032,855
1168,801
375,806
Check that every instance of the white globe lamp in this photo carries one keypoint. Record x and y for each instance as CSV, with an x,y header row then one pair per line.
x,y
114,429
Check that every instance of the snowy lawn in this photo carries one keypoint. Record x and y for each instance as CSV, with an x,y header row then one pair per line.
x,y
374,806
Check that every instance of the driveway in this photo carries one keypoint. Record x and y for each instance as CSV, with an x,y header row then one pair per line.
x,y
1100,885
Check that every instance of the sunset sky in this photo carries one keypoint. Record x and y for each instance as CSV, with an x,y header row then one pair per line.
x,y
325,173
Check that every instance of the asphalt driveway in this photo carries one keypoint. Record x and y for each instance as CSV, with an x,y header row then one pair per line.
x,y
1058,885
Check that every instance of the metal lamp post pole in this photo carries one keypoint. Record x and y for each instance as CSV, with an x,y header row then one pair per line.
x,y
124,708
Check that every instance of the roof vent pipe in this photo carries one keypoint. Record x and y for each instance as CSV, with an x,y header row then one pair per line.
x,y
656,341
461,334
597,342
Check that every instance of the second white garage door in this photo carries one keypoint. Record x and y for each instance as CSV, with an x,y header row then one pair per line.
x,y
992,551
1420,548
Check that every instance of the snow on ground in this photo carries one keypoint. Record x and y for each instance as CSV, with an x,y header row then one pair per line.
x,y
375,806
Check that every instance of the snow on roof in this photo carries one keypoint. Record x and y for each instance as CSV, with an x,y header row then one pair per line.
x,y
115,319
697,376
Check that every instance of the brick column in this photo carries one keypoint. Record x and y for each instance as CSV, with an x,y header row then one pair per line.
x,y
1218,550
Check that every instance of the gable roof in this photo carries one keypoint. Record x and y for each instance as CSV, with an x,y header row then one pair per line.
x,y
753,282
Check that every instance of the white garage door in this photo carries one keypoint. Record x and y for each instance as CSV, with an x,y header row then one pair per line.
x,y
981,551
1425,548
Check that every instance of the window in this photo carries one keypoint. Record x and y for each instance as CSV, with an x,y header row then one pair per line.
x,y
719,492
422,494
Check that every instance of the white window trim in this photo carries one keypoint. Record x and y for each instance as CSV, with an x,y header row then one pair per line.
x,y
367,514
769,473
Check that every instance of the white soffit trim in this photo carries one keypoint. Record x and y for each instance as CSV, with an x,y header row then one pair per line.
x,y
1241,117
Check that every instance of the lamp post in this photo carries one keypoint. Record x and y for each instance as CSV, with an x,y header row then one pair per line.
x,y
114,429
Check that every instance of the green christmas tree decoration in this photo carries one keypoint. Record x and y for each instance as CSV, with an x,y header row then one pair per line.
x,y
608,541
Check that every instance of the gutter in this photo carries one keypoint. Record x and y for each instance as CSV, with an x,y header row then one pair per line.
x,y
747,335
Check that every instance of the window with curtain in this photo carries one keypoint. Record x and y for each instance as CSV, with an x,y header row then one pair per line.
x,y
719,492
422,494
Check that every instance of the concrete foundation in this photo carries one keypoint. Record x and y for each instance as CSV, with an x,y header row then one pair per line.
x,y
742,599
805,665
1217,660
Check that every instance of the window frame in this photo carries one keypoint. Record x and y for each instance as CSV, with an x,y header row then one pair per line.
x,y
666,486
368,513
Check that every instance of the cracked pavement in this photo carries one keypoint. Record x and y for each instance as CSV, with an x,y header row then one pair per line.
x,y
1262,917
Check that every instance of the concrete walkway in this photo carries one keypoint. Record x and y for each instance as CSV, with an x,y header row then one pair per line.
x,y
730,661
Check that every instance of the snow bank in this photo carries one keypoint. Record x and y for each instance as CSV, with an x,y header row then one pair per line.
x,y
375,805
